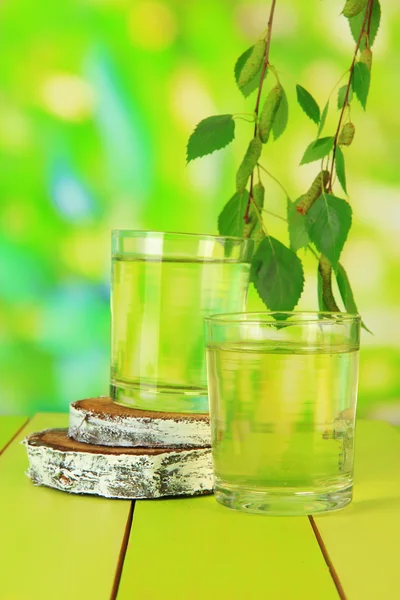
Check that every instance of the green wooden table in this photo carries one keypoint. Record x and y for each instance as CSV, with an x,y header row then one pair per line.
x,y
56,546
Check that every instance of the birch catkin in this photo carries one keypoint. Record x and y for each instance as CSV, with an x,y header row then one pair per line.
x,y
318,185
258,195
250,160
254,218
268,112
366,57
353,7
325,269
252,64
347,134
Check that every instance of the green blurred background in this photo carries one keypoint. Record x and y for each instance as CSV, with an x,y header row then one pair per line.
x,y
97,99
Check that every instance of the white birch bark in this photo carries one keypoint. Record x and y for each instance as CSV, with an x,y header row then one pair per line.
x,y
59,462
101,421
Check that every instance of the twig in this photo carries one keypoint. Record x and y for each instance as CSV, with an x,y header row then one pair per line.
x,y
260,86
348,87
266,57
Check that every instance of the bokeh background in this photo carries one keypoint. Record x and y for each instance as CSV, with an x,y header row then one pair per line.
x,y
97,99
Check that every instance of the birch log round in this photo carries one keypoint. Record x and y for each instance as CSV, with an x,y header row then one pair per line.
x,y
101,421
57,461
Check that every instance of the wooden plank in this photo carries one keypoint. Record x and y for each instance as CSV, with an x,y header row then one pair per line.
x,y
55,545
363,541
196,549
9,425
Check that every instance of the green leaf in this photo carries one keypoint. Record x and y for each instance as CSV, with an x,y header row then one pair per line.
x,y
345,289
277,274
281,118
230,221
298,234
357,21
347,293
317,149
308,104
342,95
328,224
321,304
361,80
254,83
323,119
210,134
340,168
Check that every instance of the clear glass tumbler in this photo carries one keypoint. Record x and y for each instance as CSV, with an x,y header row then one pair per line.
x,y
283,396
163,285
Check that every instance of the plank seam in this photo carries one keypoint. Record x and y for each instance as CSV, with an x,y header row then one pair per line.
x,y
16,434
122,553
329,563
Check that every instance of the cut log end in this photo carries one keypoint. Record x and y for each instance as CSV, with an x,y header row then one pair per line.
x,y
102,421
57,461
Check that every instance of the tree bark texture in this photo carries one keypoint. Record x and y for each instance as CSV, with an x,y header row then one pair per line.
x,y
102,421
57,461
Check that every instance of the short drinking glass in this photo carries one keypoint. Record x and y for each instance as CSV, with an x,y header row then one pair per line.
x,y
163,285
283,395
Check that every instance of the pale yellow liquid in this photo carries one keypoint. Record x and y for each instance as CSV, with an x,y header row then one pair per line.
x,y
158,343
283,424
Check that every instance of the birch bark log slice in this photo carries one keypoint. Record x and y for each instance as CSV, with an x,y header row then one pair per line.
x,y
57,461
102,421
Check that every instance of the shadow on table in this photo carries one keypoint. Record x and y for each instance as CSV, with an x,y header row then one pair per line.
x,y
362,507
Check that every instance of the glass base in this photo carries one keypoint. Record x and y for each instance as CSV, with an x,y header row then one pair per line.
x,y
161,399
280,502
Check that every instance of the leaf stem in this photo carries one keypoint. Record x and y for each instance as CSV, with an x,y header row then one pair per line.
x,y
275,179
280,72
311,249
275,72
269,212
244,114
259,216
336,84
243,119
348,87
260,86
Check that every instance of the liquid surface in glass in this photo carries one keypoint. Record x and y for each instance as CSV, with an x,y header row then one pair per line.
x,y
283,423
158,342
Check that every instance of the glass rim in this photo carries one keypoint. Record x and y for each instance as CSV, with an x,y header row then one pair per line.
x,y
260,317
115,233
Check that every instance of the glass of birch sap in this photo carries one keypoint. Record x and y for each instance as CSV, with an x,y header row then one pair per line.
x,y
283,395
163,285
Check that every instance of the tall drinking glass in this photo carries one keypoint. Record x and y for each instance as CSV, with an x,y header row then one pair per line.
x,y
163,285
283,395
